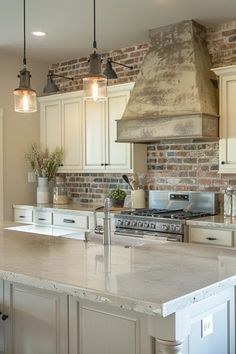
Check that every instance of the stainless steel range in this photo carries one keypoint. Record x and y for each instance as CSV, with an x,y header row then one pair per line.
x,y
166,216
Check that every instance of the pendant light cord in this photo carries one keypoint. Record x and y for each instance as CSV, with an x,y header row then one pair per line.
x,y
24,59
94,26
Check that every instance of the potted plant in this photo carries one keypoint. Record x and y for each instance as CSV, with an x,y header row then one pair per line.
x,y
45,166
117,197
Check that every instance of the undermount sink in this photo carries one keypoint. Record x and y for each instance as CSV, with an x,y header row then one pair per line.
x,y
49,231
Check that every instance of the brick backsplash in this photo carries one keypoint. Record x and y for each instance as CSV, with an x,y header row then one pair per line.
x,y
170,166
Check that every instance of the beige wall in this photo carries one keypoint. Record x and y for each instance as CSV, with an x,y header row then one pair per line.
x,y
19,131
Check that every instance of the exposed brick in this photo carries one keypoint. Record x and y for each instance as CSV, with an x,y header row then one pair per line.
x,y
232,39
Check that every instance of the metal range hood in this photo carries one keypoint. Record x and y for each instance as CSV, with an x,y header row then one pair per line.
x,y
175,95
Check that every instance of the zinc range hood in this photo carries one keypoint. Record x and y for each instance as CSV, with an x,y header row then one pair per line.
x,y
175,95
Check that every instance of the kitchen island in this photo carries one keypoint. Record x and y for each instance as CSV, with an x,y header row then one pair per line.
x,y
134,297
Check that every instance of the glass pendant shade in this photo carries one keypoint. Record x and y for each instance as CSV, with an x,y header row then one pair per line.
x,y
25,99
95,84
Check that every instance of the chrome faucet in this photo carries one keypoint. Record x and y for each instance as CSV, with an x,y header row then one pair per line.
x,y
107,222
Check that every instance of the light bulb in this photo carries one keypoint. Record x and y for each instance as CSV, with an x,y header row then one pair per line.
x,y
95,90
25,103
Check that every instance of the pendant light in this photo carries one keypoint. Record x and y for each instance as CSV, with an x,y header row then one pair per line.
x,y
25,100
109,72
95,83
50,86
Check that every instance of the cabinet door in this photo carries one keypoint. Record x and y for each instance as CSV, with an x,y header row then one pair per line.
x,y
94,135
101,329
2,339
37,321
23,215
212,237
228,126
50,124
72,134
118,155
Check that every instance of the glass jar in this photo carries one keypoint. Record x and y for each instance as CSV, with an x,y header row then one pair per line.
x,y
60,191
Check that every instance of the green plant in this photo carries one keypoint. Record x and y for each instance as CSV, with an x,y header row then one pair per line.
x,y
43,163
117,194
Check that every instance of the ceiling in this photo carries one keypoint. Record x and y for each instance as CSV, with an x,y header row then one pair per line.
x,y
120,23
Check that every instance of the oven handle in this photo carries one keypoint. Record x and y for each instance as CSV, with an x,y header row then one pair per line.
x,y
151,235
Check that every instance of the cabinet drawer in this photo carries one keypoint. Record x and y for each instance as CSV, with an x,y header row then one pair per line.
x,y
42,217
72,220
211,236
23,215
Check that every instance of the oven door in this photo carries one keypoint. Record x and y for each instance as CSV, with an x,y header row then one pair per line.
x,y
149,234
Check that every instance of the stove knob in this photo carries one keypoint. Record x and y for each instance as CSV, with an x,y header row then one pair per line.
x,y
119,222
145,225
134,223
176,228
127,222
140,224
164,227
152,226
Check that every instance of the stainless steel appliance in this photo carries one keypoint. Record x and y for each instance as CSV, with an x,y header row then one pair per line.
x,y
167,214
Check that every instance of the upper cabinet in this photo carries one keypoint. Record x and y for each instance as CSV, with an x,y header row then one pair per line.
x,y
227,77
61,126
87,132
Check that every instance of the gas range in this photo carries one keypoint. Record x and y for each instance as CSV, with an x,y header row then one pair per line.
x,y
166,215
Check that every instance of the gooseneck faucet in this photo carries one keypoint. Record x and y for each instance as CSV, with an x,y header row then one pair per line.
x,y
107,222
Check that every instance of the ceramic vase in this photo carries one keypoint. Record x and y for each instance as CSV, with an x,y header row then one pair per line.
x,y
42,191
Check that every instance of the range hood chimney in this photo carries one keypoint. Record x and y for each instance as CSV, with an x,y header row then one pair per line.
x,y
175,96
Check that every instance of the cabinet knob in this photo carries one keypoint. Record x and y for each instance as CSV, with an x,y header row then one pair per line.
x,y
106,164
222,162
4,317
102,164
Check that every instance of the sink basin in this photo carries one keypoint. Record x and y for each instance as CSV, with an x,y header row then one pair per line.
x,y
49,230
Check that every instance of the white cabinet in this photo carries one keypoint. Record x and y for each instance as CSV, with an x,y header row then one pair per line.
x,y
86,130
227,163
101,152
98,329
61,126
214,237
42,217
37,321
23,214
77,220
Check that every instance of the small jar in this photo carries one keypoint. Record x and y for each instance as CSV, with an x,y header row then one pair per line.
x,y
60,191
228,202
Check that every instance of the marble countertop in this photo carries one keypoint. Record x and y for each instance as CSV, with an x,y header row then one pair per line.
x,y
148,277
71,207
218,221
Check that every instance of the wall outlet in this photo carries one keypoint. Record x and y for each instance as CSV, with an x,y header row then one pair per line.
x,y
31,177
207,325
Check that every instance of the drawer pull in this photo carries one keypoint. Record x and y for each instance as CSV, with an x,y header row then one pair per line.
x,y
69,221
211,238
21,216
41,219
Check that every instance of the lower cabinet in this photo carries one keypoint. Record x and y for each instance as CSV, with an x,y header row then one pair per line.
x,y
101,329
214,237
37,321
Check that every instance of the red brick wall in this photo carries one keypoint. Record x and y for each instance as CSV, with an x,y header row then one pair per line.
x,y
222,44
77,68
180,166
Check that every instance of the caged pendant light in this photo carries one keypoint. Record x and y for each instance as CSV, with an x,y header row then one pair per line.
x,y
25,100
95,83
